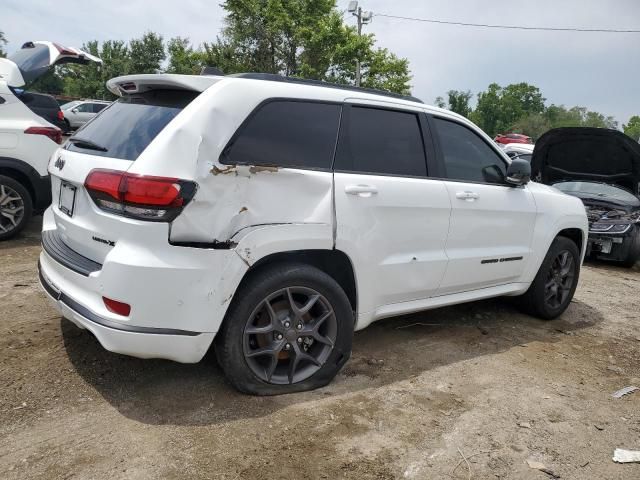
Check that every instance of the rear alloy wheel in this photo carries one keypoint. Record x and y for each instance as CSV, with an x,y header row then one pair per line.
x,y
290,335
552,290
15,207
288,329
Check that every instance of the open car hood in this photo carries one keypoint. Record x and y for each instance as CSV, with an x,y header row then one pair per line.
x,y
35,59
584,153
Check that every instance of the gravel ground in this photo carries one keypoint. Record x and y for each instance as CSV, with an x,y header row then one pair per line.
x,y
472,391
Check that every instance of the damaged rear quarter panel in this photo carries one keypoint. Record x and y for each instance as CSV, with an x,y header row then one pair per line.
x,y
231,198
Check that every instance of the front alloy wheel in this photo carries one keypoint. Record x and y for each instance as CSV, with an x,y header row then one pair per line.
x,y
559,280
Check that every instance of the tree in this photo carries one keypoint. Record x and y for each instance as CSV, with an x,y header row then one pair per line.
x,y
500,108
146,53
3,43
633,128
89,81
459,102
439,102
302,38
182,57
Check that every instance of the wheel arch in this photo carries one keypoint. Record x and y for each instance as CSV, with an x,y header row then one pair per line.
x,y
576,235
20,172
334,263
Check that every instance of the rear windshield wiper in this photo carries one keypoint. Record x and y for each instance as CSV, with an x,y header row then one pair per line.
x,y
88,144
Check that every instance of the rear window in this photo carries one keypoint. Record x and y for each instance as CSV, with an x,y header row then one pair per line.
x,y
287,133
36,100
129,125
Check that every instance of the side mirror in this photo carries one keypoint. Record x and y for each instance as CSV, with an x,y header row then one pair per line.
x,y
519,172
74,110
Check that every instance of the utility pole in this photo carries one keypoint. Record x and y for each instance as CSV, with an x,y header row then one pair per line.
x,y
363,18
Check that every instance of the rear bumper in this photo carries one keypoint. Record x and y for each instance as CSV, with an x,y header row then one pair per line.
x,y
178,295
143,342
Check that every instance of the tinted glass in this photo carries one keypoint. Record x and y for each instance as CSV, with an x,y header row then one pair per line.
x,y
97,107
85,108
295,134
382,142
597,190
32,62
129,125
467,156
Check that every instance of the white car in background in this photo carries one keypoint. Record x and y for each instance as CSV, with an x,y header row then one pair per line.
x,y
26,139
276,216
77,113
519,150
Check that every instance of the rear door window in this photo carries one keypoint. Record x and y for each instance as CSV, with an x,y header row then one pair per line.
x,y
130,124
98,107
383,142
287,133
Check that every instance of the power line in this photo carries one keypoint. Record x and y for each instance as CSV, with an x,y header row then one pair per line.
x,y
510,27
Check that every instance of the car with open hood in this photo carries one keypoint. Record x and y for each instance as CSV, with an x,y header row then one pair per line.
x,y
27,139
602,168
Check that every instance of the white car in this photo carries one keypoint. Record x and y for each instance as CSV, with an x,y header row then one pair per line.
x,y
27,140
80,112
523,151
277,216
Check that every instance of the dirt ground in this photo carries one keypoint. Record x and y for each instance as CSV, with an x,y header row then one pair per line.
x,y
472,391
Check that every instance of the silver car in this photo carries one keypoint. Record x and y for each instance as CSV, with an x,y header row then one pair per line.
x,y
78,113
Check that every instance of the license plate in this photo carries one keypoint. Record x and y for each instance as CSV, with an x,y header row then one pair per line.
x,y
67,198
603,246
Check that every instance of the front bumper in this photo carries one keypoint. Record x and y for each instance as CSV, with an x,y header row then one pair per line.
x,y
615,247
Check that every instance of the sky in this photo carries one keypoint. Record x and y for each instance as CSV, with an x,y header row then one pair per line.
x,y
600,71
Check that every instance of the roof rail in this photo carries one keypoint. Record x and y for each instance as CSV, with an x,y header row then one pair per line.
x,y
274,77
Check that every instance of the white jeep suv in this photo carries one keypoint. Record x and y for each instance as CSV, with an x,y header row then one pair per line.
x,y
275,217
27,140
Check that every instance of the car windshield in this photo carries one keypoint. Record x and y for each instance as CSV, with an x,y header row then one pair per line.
x,y
126,127
598,190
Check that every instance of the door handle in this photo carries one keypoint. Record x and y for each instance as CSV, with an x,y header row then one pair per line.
x,y
361,190
467,196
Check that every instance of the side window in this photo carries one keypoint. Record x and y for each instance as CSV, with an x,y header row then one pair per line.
x,y
383,142
98,107
467,156
84,108
287,133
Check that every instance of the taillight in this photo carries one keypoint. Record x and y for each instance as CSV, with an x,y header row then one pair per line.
x,y
53,133
143,197
114,306
60,115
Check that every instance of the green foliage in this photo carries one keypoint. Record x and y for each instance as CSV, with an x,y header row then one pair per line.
x,y
459,102
146,53
89,81
556,116
499,108
302,38
3,43
183,58
50,83
633,127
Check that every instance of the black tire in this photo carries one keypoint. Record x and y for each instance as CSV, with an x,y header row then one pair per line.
x,y
634,252
22,207
534,301
234,339
67,126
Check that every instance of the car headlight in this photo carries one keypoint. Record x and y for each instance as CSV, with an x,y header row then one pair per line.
x,y
601,227
620,228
